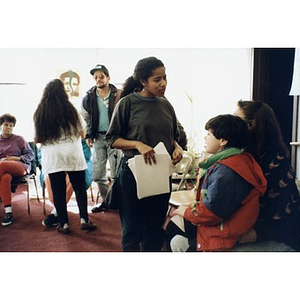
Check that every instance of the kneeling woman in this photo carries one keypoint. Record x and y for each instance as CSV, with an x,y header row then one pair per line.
x,y
227,202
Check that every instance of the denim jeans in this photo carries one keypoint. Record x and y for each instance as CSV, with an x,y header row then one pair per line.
x,y
102,152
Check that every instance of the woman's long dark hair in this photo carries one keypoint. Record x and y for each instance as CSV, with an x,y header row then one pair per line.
x,y
55,116
265,131
142,71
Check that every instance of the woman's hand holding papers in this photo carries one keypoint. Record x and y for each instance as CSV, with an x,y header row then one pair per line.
x,y
147,152
177,154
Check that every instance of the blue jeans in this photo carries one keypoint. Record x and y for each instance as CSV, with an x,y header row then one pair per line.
x,y
141,220
102,152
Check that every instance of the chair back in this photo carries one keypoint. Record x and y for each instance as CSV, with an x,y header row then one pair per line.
x,y
34,162
23,179
184,165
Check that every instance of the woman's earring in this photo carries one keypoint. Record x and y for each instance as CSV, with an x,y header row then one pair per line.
x,y
144,89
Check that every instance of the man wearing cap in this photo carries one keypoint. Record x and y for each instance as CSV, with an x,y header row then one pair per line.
x,y
97,108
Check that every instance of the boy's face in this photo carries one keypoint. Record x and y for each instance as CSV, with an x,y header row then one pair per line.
x,y
212,144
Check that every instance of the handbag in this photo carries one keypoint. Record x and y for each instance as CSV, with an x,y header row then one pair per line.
x,y
113,194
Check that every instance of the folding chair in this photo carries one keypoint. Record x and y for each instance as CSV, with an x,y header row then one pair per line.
x,y
25,180
181,171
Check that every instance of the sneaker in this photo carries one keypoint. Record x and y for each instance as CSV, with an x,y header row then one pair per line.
x,y
88,226
7,220
50,221
99,207
63,230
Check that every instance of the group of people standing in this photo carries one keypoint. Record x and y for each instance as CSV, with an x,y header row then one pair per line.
x,y
246,191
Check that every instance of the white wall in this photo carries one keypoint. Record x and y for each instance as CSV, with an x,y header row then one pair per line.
x,y
215,78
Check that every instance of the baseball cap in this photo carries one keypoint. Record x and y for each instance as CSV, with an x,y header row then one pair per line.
x,y
100,68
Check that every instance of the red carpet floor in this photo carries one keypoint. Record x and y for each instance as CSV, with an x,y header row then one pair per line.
x,y
27,234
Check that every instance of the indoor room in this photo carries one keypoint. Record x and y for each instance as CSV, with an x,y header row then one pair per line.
x,y
216,58
202,83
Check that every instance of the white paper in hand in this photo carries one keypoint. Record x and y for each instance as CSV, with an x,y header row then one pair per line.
x,y
152,179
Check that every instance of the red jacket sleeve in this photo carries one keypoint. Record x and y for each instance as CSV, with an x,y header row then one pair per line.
x,y
199,214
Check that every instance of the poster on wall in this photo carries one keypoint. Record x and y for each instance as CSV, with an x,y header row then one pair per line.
x,y
71,80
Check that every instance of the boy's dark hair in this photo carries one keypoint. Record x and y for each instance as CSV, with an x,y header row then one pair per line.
x,y
231,128
8,118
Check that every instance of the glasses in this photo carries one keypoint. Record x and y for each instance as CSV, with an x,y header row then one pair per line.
x,y
101,76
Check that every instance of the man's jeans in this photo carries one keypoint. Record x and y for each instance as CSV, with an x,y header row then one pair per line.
x,y
102,152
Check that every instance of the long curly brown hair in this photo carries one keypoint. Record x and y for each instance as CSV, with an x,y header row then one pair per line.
x,y
55,116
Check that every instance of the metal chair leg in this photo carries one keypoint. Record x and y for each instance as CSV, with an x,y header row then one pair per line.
x,y
28,198
36,189
92,196
44,198
98,196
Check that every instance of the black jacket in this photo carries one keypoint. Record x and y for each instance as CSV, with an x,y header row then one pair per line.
x,y
90,111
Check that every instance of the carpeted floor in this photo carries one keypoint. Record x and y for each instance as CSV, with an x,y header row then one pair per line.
x,y
27,234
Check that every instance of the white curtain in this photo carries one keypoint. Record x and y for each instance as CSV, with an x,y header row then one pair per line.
x,y
295,91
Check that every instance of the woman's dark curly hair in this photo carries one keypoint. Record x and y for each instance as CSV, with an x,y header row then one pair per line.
x,y
55,116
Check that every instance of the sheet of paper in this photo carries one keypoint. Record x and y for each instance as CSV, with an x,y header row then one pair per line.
x,y
179,222
161,149
152,179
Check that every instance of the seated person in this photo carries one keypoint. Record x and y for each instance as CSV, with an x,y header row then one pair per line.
x,y
15,161
279,217
52,218
227,200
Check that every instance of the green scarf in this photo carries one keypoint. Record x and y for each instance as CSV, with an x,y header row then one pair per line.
x,y
204,165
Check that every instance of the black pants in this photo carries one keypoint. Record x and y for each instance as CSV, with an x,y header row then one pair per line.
x,y
58,185
141,220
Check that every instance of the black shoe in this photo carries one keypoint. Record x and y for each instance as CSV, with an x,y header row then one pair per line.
x,y
88,226
63,230
7,220
100,207
50,221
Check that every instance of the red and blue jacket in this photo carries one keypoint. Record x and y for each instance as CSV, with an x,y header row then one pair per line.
x,y
227,202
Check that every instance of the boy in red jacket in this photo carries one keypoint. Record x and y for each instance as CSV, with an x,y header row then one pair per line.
x,y
227,201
